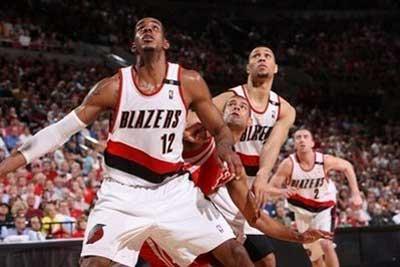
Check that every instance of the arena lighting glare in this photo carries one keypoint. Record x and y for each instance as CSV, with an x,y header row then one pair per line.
x,y
118,60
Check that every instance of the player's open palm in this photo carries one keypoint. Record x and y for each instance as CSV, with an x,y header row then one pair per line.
x,y
312,235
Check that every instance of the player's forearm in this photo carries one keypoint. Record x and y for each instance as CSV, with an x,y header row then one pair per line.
x,y
13,162
352,179
275,229
51,137
240,195
223,136
268,157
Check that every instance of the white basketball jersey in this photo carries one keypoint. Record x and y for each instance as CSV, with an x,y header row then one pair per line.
x,y
145,141
253,139
315,192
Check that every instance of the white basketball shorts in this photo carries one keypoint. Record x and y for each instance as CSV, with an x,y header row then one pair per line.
x,y
175,215
323,220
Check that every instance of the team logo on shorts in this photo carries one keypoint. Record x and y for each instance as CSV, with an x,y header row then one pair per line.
x,y
220,229
95,234
171,94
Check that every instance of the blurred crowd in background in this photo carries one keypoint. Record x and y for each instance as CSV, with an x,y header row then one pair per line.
x,y
323,61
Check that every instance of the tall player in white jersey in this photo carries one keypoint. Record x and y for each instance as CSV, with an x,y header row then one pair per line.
x,y
314,200
259,146
146,193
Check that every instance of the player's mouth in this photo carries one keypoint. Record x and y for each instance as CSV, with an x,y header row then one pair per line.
x,y
235,114
148,38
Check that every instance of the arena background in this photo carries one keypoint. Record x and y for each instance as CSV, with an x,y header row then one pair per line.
x,y
338,66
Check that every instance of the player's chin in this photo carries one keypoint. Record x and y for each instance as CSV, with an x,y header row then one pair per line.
x,y
263,74
148,48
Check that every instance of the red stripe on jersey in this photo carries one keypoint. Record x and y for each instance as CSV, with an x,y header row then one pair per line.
x,y
138,156
248,160
306,202
193,153
208,174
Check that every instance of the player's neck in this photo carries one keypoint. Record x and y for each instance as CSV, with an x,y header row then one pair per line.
x,y
151,68
236,133
259,89
307,158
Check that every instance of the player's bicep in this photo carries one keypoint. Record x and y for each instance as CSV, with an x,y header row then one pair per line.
x,y
200,101
103,96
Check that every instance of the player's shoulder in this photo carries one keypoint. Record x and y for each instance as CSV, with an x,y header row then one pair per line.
x,y
190,75
287,162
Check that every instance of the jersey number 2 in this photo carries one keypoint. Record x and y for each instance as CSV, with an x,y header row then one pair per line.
x,y
167,140
316,192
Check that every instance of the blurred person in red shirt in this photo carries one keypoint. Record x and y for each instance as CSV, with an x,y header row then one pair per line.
x,y
81,227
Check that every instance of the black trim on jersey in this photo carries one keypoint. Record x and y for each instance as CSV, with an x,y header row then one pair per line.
x,y
303,206
251,170
319,162
172,82
136,169
274,103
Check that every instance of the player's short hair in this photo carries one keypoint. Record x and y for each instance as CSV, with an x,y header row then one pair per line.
x,y
302,128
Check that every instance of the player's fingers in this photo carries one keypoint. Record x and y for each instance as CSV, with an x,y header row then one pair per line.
x,y
231,166
325,234
239,170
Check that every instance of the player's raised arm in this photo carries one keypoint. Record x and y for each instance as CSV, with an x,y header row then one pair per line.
x,y
200,101
271,149
103,96
341,165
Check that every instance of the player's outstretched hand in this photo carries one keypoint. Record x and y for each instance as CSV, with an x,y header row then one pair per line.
x,y
312,235
288,192
261,191
227,156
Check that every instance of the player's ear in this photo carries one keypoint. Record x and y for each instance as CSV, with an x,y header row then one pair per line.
x,y
247,69
249,121
133,47
276,69
166,44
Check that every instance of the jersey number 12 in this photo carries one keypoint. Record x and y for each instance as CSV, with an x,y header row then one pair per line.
x,y
167,140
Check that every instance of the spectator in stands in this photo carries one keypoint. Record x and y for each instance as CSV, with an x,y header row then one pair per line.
x,y
19,233
51,222
33,211
81,227
35,226
12,139
69,222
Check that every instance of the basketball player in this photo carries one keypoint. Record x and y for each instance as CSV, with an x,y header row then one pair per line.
x,y
210,177
314,203
146,192
259,146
